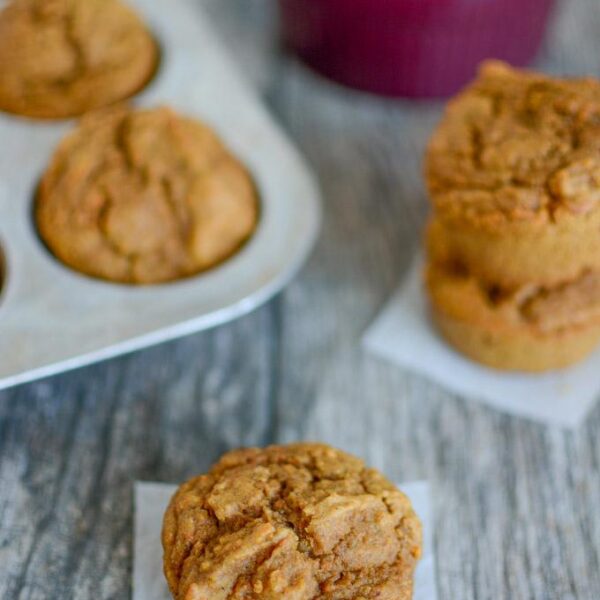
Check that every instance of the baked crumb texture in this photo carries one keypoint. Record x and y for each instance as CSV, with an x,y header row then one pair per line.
x,y
513,173
62,58
144,196
297,522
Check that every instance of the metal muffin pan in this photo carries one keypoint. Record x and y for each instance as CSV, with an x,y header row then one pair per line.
x,y
52,318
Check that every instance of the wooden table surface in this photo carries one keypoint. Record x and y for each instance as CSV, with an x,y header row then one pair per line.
x,y
517,505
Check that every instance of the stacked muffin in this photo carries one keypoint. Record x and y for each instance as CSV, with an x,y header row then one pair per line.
x,y
513,172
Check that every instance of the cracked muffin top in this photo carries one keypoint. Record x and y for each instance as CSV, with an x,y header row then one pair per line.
x,y
61,58
144,196
300,522
517,146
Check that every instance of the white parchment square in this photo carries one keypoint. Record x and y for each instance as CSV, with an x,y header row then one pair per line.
x,y
151,501
403,334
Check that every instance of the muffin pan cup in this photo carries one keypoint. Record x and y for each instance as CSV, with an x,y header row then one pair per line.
x,y
53,318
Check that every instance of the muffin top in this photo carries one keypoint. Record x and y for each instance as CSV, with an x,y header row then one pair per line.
x,y
144,196
61,58
301,522
517,146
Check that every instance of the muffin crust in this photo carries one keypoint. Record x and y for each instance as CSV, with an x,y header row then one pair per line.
x,y
300,522
144,196
61,58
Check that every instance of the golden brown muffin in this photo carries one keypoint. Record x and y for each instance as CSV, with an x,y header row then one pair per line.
x,y
297,522
144,196
527,328
61,58
513,171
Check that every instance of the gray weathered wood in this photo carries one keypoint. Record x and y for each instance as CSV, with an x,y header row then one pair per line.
x,y
516,504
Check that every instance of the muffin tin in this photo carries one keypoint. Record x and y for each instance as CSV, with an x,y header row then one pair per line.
x,y
52,318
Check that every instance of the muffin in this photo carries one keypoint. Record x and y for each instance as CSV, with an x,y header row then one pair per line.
x,y
300,522
62,58
144,196
531,327
513,172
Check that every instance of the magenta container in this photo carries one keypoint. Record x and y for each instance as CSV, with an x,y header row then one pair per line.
x,y
411,48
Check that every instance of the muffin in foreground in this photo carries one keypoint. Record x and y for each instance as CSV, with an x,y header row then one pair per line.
x,y
144,196
298,522
527,328
62,58
513,172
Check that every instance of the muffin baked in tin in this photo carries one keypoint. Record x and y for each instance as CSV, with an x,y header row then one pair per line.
x,y
62,58
144,196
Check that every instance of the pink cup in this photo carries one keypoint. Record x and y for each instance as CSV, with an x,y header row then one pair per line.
x,y
413,48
